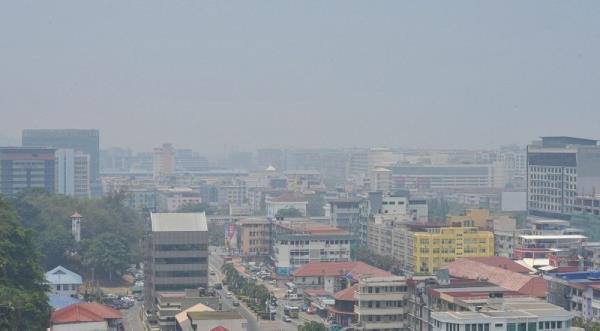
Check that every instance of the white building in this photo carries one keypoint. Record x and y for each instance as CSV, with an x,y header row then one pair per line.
x,y
516,314
382,303
380,179
63,281
72,173
558,170
298,242
285,201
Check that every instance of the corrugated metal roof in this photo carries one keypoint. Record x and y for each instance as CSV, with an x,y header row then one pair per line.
x,y
178,222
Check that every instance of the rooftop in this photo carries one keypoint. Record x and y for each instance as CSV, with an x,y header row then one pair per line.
x,y
84,312
62,275
346,294
525,307
552,236
501,262
167,222
350,269
214,315
510,280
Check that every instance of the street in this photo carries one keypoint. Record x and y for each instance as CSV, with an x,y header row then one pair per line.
x,y
131,318
216,262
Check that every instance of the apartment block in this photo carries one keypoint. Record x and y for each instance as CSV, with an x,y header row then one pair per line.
x,y
423,248
73,173
382,303
255,238
558,170
22,168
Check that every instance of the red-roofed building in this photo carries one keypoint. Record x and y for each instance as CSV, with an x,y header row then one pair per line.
x,y
334,276
501,262
508,279
343,310
86,316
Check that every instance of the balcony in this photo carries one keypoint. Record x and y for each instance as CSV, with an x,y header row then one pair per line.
x,y
380,311
382,296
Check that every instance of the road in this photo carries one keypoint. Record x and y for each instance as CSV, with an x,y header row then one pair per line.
x,y
131,318
216,262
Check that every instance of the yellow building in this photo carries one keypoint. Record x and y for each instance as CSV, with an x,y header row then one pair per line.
x,y
472,217
435,247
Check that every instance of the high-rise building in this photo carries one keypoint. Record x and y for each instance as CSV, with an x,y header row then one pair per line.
x,y
164,161
26,167
381,180
187,160
558,170
73,173
86,141
176,254
349,215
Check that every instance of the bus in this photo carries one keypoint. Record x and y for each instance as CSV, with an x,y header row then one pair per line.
x,y
291,311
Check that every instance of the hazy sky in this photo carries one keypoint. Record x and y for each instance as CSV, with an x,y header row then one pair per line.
x,y
232,76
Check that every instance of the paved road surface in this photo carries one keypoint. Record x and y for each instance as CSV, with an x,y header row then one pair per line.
x,y
131,318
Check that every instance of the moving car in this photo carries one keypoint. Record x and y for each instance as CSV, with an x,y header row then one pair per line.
x,y
287,319
235,304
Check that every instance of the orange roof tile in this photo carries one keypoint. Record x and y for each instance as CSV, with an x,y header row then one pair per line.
x,y
514,281
84,312
346,294
501,262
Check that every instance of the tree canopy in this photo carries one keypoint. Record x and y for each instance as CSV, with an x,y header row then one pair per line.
x,y
110,232
23,300
288,213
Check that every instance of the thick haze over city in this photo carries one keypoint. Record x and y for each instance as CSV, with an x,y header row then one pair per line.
x,y
233,76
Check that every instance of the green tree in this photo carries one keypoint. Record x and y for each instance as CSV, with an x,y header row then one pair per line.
x,y
312,326
49,217
288,213
58,244
108,252
23,300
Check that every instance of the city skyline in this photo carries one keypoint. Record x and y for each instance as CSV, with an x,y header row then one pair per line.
x,y
235,77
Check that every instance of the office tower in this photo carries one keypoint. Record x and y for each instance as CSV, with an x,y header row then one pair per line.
x,y
86,141
176,254
73,173
26,167
558,170
164,161
240,160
